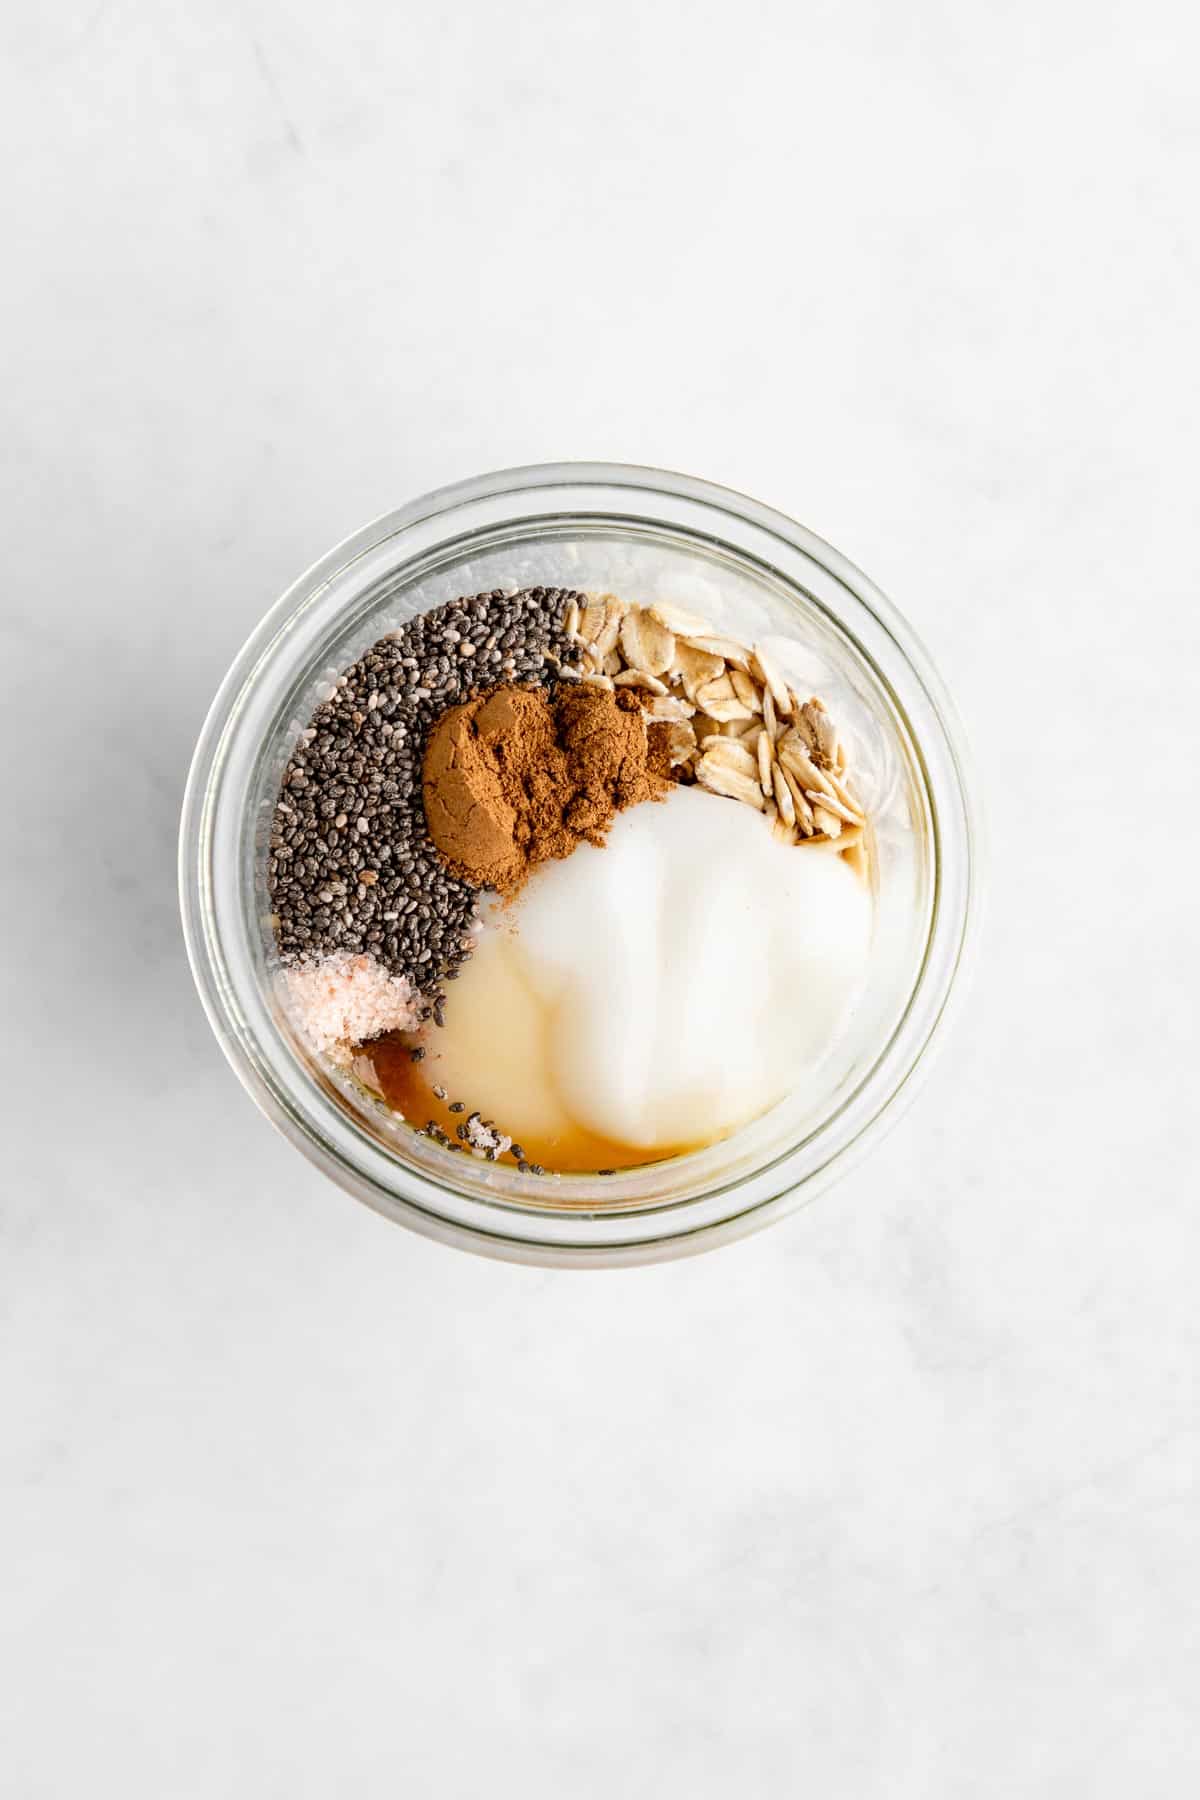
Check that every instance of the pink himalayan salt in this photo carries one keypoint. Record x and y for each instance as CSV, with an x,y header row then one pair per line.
x,y
342,1000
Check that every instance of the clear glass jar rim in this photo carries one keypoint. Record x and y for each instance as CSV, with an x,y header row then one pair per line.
x,y
592,490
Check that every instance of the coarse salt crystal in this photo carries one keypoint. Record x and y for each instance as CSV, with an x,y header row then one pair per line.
x,y
344,999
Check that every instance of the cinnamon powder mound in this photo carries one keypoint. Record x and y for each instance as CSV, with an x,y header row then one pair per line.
x,y
518,777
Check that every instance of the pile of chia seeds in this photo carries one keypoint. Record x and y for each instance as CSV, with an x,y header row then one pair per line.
x,y
352,867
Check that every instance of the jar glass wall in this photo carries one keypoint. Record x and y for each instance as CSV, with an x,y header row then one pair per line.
x,y
644,534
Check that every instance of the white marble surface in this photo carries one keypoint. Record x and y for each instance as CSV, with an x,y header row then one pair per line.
x,y
898,1499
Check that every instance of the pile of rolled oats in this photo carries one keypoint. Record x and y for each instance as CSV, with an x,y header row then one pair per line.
x,y
736,726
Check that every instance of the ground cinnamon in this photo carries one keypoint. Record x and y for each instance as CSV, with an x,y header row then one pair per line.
x,y
517,777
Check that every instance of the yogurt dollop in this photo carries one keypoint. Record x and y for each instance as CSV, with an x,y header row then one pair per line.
x,y
667,988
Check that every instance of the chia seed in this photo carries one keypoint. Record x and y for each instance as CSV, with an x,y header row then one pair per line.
x,y
352,867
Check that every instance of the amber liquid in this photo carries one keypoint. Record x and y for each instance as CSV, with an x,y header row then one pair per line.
x,y
407,1087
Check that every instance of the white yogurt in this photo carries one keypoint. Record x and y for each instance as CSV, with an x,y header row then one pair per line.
x,y
666,988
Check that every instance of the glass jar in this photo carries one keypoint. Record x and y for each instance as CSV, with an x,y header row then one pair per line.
x,y
643,534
